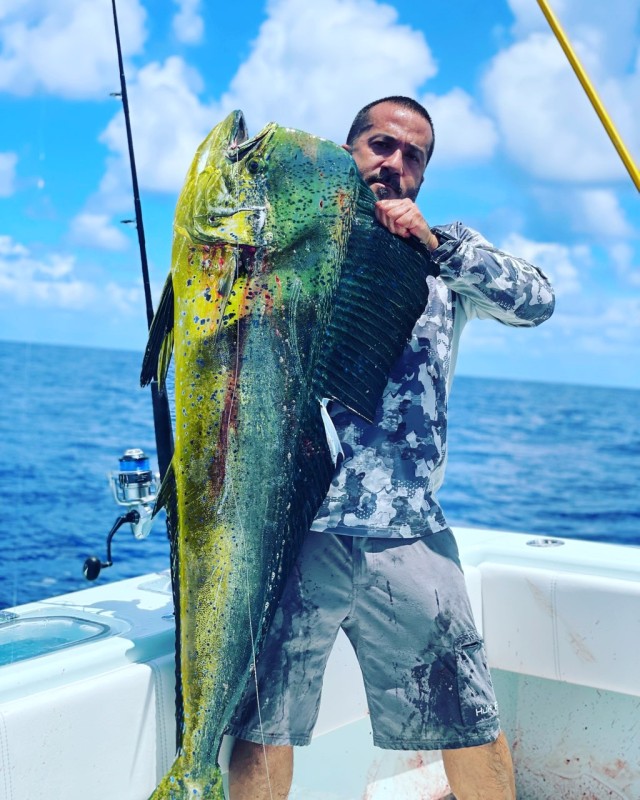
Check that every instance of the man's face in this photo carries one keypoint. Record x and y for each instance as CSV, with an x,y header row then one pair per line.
x,y
392,154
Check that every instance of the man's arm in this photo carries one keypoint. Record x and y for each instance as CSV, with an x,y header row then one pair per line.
x,y
490,283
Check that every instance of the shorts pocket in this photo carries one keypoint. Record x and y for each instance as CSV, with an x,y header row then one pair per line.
x,y
475,690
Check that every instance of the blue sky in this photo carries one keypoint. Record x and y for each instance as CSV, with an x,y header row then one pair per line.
x,y
519,154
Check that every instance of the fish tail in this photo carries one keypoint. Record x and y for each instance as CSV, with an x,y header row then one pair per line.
x,y
180,784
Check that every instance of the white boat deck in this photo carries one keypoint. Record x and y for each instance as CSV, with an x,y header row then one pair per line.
x,y
95,719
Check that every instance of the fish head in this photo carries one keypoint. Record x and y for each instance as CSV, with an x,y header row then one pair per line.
x,y
272,190
223,200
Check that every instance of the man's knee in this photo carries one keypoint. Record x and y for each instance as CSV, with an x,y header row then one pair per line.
x,y
259,771
254,753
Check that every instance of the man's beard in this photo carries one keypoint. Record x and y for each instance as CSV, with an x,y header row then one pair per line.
x,y
388,186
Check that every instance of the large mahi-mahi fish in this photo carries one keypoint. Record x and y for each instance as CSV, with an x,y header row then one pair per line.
x,y
283,290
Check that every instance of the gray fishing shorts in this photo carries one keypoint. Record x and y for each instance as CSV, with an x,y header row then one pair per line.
x,y
404,606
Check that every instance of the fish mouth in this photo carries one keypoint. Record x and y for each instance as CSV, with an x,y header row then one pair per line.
x,y
225,211
234,139
240,148
237,131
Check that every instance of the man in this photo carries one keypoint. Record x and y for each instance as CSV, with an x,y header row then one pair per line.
x,y
380,560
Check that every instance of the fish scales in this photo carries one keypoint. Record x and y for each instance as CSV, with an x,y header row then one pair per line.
x,y
283,291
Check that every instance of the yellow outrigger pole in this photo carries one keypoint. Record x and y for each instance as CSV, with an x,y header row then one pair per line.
x,y
600,110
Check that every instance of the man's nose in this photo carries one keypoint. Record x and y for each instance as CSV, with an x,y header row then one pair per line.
x,y
394,161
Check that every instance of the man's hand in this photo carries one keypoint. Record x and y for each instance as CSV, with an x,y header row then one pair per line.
x,y
403,218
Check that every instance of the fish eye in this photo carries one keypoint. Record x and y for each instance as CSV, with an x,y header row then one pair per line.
x,y
253,165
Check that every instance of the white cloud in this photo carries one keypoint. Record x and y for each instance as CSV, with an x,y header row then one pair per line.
x,y
597,212
545,119
55,266
313,71
609,29
528,16
594,213
626,264
285,79
115,192
562,264
65,47
32,281
52,281
125,299
168,123
462,132
188,24
8,163
97,230
546,123
10,248
584,339
621,320
610,328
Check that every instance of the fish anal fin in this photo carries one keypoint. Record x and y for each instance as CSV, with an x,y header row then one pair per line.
x,y
164,359
167,492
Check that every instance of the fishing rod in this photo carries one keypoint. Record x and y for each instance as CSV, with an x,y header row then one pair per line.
x,y
134,485
591,93
160,403
136,481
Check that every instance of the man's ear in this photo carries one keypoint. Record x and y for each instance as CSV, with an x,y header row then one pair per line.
x,y
347,147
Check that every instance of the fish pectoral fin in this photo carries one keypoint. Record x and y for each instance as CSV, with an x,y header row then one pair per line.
x,y
157,355
333,440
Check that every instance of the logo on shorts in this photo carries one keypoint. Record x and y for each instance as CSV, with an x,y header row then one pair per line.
x,y
487,710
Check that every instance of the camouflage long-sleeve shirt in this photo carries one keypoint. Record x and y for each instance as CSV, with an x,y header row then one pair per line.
x,y
392,469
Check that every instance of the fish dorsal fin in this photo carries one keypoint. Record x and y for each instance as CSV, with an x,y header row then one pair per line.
x,y
381,293
157,355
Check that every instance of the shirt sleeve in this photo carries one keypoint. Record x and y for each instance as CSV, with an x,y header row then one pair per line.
x,y
491,284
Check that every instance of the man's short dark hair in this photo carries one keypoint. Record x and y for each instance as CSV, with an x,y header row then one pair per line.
x,y
361,123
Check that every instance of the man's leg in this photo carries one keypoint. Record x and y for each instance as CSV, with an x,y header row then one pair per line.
x,y
260,772
429,688
281,710
481,773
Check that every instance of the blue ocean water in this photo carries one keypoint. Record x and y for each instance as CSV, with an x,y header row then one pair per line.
x,y
545,459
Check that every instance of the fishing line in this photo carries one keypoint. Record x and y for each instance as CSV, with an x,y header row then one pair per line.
x,y
236,255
